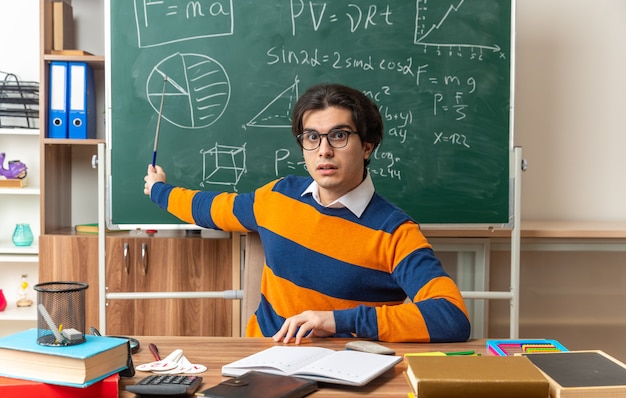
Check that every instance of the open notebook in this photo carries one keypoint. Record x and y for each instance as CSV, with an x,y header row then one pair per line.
x,y
315,363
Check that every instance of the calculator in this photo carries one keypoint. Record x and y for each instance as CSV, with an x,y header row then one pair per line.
x,y
166,385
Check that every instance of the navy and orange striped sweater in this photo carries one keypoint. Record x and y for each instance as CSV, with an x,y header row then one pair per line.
x,y
325,259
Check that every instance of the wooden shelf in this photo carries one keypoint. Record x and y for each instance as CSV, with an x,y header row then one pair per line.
x,y
65,141
27,190
13,313
96,61
18,131
69,231
574,229
65,162
24,253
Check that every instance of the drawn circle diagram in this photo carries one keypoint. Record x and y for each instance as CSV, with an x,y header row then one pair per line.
x,y
195,90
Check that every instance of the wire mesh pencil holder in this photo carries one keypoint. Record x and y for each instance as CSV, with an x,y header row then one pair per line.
x,y
60,313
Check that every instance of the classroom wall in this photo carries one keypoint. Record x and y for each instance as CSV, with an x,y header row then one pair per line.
x,y
19,39
576,297
570,103
570,99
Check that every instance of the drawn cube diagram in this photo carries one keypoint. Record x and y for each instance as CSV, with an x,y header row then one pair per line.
x,y
223,165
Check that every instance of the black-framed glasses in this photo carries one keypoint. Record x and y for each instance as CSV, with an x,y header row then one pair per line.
x,y
311,139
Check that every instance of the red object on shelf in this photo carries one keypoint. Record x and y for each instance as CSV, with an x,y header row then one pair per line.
x,y
3,301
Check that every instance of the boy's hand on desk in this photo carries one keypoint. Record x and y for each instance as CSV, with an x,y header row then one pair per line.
x,y
310,324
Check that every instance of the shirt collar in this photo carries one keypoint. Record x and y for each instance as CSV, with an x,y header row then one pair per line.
x,y
356,200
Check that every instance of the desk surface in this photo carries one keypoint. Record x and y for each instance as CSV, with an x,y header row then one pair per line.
x,y
213,352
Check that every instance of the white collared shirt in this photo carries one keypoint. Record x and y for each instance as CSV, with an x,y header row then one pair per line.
x,y
356,200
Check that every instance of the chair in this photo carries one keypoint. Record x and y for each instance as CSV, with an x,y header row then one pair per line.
x,y
253,267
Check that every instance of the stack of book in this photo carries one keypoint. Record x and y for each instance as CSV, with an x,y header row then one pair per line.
x,y
517,368
590,373
88,369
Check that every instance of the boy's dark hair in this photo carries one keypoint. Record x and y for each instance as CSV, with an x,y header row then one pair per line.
x,y
365,113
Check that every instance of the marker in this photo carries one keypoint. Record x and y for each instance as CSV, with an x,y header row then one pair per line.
x,y
158,127
460,353
53,328
155,351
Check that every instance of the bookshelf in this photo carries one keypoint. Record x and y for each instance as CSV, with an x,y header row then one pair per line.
x,y
69,167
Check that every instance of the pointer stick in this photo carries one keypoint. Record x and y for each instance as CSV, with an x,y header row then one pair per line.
x,y
158,127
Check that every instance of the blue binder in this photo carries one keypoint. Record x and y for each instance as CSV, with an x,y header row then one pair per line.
x,y
82,101
57,106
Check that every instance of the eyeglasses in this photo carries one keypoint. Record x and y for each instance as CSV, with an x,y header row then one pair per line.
x,y
311,139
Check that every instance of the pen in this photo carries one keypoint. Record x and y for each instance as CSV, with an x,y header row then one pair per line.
x,y
155,351
158,127
460,353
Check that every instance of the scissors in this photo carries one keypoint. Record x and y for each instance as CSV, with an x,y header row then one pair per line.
x,y
134,343
175,363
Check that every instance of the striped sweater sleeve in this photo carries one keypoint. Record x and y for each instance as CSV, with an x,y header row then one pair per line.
x,y
215,210
434,311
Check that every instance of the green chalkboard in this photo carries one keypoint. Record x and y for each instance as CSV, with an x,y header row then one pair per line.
x,y
439,70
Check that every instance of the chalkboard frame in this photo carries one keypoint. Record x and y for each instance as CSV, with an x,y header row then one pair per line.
x,y
503,220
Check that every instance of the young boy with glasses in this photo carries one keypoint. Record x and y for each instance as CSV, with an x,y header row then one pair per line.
x,y
340,260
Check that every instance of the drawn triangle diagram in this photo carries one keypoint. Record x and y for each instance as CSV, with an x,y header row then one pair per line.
x,y
454,26
278,112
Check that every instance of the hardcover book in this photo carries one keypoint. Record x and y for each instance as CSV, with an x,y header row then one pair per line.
x,y
20,388
470,376
78,365
589,374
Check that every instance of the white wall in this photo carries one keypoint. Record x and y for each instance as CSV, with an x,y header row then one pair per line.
x,y
19,54
19,38
570,105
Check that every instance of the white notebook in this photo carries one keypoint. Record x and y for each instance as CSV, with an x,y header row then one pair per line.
x,y
353,368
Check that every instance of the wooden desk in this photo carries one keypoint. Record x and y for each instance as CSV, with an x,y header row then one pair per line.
x,y
536,229
213,352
